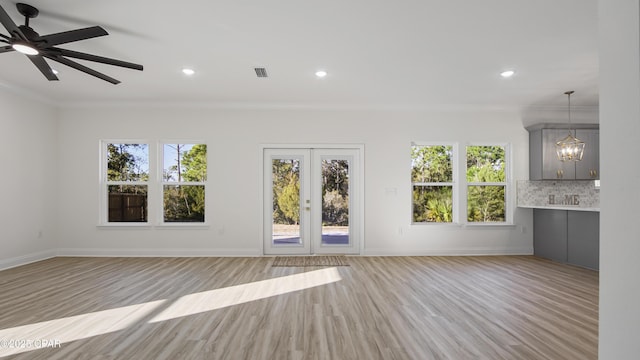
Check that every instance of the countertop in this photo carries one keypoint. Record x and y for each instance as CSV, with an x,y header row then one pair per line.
x,y
560,207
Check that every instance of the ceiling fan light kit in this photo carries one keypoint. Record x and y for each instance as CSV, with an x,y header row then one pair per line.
x,y
24,48
27,41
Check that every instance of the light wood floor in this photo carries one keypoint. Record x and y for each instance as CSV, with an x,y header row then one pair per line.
x,y
494,307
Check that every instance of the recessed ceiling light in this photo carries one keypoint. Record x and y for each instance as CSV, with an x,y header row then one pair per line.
x,y
321,73
188,71
507,74
54,71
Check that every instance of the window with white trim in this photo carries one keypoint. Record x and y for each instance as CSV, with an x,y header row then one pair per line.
x,y
126,182
152,183
486,169
437,195
432,181
184,173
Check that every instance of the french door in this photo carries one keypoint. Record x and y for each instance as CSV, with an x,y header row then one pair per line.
x,y
312,201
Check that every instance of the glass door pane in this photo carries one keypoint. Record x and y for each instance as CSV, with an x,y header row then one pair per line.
x,y
335,202
285,221
335,213
286,197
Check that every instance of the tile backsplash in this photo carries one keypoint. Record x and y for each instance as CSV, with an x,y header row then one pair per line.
x,y
545,193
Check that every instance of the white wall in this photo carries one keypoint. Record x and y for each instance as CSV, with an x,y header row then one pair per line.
x,y
28,161
234,137
619,196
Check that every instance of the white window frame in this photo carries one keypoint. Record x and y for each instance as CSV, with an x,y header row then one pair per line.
x,y
104,183
160,180
464,185
460,185
454,188
155,186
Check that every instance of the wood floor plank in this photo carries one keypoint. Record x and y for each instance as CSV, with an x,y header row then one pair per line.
x,y
492,307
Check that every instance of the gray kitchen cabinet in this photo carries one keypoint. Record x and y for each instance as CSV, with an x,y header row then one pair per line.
x,y
543,160
583,239
567,236
589,167
550,234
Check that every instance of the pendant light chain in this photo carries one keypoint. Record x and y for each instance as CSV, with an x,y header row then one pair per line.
x,y
568,93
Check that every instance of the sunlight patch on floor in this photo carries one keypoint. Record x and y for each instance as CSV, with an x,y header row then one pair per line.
x,y
28,337
219,298
84,326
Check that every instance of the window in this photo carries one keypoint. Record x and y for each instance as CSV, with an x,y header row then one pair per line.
x,y
486,183
183,182
437,196
145,183
127,178
432,179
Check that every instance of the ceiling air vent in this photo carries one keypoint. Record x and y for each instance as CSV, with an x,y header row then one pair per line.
x,y
261,72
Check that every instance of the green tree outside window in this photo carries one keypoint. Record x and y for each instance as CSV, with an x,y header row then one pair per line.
x,y
432,180
486,181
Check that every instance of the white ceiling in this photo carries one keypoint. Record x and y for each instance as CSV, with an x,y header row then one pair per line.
x,y
378,53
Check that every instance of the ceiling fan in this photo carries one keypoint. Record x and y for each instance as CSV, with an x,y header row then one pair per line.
x,y
25,40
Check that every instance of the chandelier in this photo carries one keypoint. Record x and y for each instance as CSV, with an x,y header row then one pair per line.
x,y
570,148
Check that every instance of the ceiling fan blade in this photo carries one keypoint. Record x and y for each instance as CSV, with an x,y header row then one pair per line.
x,y
72,35
44,68
95,58
82,68
8,24
5,49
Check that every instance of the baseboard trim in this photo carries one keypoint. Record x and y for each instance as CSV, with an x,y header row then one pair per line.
x,y
48,254
159,252
26,259
447,252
